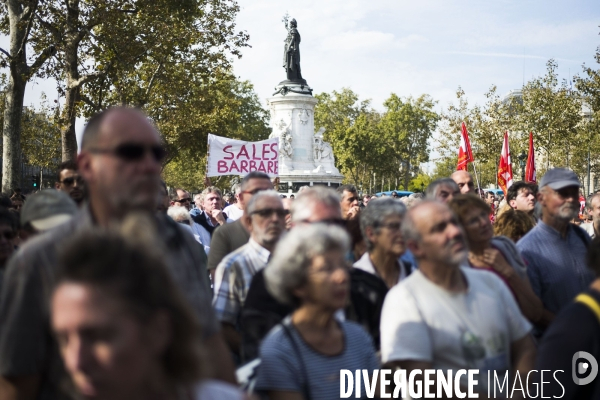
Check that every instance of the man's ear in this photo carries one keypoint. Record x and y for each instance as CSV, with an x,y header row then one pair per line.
x,y
414,248
56,185
84,163
247,222
512,203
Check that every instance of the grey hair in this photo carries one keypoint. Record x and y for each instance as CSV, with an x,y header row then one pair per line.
x,y
251,206
236,189
432,190
301,208
179,213
375,214
288,269
588,202
209,190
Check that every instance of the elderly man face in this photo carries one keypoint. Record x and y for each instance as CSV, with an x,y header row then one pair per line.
x,y
122,165
211,202
267,221
445,193
252,187
441,240
562,204
464,180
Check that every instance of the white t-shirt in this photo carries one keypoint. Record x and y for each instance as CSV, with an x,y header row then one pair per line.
x,y
233,212
471,330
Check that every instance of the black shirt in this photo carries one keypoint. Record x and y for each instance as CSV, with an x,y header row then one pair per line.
x,y
576,328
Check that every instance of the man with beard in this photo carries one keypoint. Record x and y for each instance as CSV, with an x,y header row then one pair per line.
x,y
265,219
120,161
448,317
555,249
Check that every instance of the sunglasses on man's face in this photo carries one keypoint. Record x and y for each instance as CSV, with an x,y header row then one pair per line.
x,y
186,200
70,181
132,152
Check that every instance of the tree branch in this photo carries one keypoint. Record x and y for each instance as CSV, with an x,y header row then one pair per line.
x,y
85,79
5,52
40,60
27,14
89,102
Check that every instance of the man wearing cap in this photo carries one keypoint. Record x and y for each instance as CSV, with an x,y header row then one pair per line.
x,y
555,249
45,210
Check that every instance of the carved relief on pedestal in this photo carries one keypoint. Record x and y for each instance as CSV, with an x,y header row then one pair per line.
x,y
304,116
285,143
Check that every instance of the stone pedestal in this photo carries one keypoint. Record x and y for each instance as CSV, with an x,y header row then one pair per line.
x,y
305,159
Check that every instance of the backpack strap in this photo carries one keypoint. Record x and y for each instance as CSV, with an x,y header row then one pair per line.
x,y
590,302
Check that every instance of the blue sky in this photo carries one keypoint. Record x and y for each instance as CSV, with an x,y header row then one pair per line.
x,y
414,47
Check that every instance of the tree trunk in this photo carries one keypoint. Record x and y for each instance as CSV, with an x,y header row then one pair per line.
x,y
67,130
11,135
11,131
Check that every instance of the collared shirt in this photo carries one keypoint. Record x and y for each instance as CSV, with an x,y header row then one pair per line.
x,y
204,236
232,279
366,265
556,266
26,344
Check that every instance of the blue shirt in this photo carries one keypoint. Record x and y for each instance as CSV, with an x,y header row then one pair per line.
x,y
280,369
556,267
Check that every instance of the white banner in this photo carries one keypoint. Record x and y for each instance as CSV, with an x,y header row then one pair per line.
x,y
236,157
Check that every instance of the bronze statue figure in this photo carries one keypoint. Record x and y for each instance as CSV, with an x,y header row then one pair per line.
x,y
291,53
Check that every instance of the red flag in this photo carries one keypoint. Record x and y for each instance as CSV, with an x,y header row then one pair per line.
x,y
530,168
465,154
505,174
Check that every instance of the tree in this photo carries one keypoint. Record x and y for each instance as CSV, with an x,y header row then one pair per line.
x,y
118,52
18,20
408,126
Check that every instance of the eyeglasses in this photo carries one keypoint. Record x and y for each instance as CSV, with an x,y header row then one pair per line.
x,y
70,181
394,226
132,152
267,212
186,200
330,221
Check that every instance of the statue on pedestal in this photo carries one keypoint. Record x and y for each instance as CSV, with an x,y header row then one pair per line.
x,y
291,52
285,143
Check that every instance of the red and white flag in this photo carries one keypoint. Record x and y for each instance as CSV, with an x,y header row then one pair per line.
x,y
505,174
530,167
465,154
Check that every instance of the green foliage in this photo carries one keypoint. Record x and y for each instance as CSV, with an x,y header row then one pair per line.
x,y
370,146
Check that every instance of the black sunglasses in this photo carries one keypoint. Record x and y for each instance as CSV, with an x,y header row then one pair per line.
x,y
186,200
267,212
132,152
71,180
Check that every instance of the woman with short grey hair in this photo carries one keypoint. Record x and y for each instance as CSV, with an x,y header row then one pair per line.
x,y
300,356
380,225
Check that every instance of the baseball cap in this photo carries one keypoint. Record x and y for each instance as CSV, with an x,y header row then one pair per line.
x,y
559,178
47,209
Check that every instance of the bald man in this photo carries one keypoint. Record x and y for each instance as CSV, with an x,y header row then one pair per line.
x,y
464,180
120,161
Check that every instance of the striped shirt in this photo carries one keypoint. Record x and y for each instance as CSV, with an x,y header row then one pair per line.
x,y
281,370
556,267
232,280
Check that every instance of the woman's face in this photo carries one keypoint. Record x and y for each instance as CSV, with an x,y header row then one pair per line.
x,y
328,282
477,226
105,350
388,236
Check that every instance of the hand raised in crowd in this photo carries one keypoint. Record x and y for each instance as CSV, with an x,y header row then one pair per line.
x,y
492,258
219,216
353,212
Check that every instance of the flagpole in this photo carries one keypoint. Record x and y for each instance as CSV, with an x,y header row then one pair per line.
x,y
476,178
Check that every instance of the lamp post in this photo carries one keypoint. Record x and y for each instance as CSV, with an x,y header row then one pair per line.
x,y
522,161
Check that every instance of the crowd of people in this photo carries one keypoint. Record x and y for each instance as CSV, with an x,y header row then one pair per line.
x,y
112,286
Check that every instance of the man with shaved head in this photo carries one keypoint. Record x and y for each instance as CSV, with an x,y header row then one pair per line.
x,y
446,316
464,180
120,161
